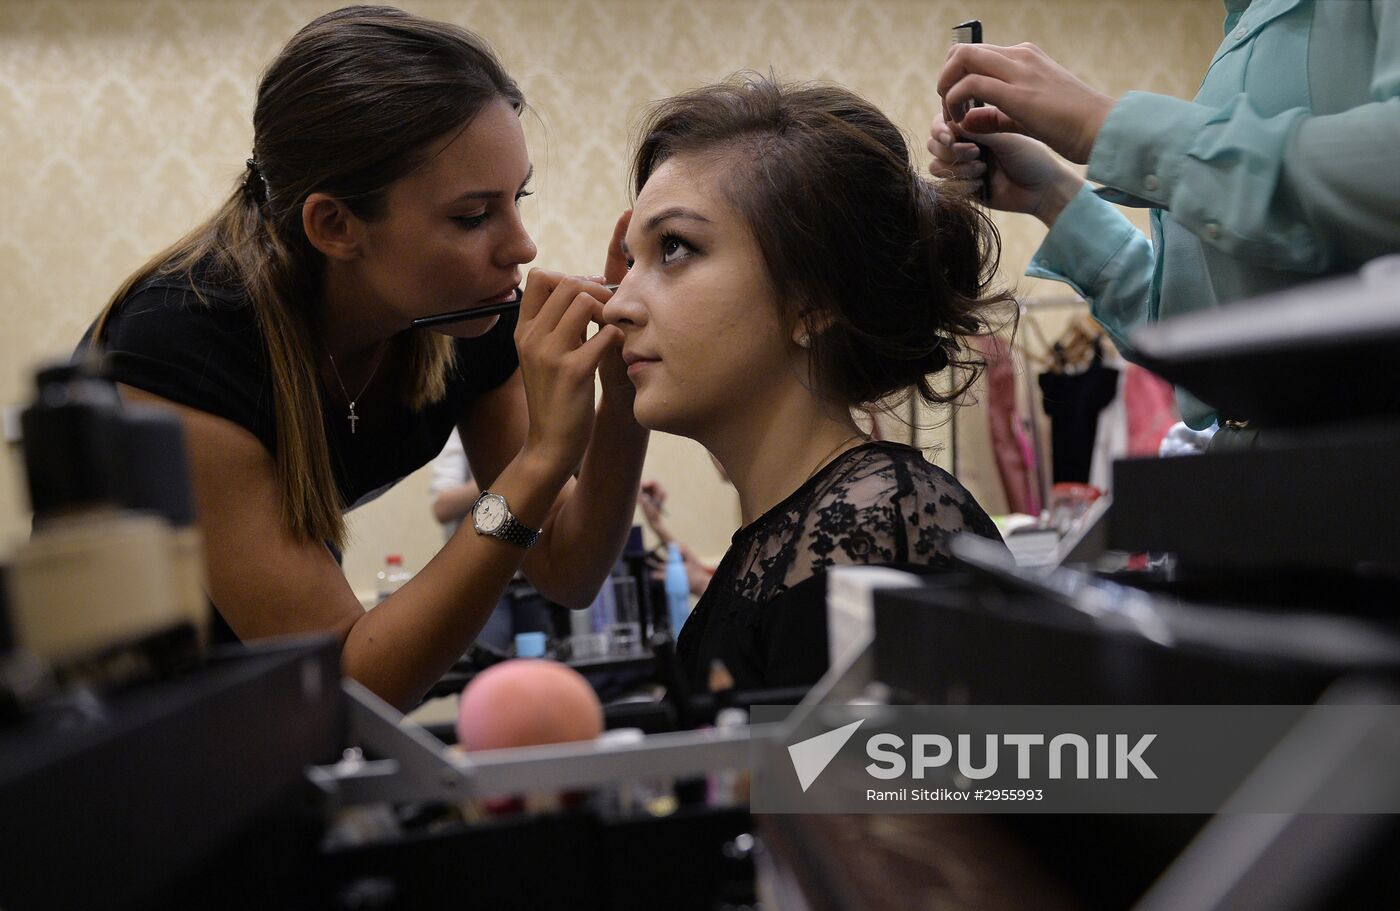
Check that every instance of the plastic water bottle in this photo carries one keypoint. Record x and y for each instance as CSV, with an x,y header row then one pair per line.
x,y
677,588
391,577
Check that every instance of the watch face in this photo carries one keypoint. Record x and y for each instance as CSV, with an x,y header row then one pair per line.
x,y
490,513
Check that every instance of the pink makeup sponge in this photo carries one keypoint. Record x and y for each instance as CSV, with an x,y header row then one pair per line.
x,y
526,702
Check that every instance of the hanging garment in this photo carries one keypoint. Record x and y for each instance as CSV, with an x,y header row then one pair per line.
x,y
1011,451
1073,403
1110,435
1152,411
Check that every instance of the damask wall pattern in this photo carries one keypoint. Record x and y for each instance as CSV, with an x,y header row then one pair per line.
x,y
124,122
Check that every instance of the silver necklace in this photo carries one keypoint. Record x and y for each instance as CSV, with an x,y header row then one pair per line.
x,y
352,417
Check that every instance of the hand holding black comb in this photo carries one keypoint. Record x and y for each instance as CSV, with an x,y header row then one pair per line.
x,y
970,32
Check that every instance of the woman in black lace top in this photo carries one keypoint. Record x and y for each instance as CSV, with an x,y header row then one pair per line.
x,y
789,264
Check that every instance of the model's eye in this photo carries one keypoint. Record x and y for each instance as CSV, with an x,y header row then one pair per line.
x,y
522,194
472,221
673,248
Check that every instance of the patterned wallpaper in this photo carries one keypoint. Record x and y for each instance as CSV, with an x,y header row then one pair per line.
x,y
123,122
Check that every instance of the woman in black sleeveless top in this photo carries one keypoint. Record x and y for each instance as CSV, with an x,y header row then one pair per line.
x,y
388,164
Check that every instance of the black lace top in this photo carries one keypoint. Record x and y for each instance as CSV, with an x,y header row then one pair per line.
x,y
764,612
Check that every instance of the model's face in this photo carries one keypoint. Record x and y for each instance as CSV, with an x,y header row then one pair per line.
x,y
452,237
699,316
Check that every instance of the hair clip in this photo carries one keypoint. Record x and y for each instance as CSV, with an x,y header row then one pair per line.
x,y
255,185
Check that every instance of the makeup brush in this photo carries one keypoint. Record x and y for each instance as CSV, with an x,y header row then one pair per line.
x,y
459,316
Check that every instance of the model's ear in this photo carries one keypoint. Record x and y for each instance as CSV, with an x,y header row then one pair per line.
x,y
331,227
811,323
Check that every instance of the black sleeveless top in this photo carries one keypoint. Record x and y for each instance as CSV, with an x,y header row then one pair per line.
x,y
210,356
764,612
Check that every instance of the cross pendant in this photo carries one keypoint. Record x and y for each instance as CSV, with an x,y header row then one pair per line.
x,y
353,417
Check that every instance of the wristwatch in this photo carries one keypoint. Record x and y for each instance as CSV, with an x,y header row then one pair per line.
x,y
492,517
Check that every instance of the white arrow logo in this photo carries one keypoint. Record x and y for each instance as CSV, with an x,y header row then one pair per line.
x,y
811,756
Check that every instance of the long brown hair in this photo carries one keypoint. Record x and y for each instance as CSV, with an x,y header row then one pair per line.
x,y
891,272
348,107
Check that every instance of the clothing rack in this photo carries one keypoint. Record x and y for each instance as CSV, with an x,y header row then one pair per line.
x,y
1048,303
1058,302
1024,305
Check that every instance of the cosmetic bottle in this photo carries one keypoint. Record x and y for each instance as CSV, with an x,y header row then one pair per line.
x,y
677,588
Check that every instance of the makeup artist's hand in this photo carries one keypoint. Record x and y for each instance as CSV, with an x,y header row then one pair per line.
x,y
558,362
1027,92
613,370
1028,177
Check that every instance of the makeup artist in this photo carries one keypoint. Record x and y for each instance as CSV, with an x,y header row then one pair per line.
x,y
387,171
1281,170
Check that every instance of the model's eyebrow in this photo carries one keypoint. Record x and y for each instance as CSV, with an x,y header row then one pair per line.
x,y
674,212
494,194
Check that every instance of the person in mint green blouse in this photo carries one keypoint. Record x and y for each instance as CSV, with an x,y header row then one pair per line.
x,y
1284,168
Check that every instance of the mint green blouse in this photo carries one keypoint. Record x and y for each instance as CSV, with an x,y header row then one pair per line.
x,y
1285,167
